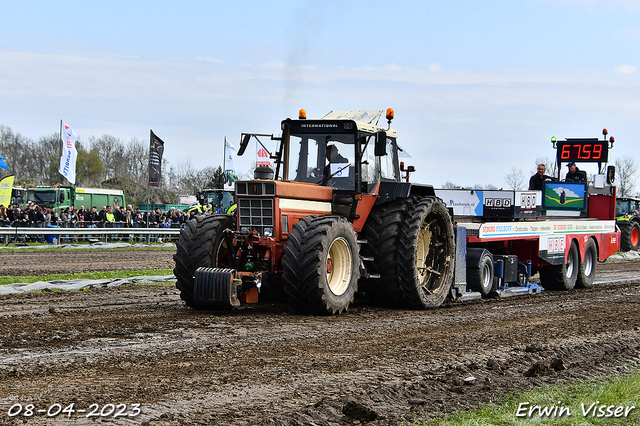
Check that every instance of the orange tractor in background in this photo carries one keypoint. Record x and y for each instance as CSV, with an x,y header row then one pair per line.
x,y
334,217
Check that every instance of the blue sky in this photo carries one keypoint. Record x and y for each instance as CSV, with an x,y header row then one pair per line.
x,y
478,87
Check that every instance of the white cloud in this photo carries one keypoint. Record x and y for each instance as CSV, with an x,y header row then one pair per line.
x,y
569,193
626,69
274,65
435,67
210,59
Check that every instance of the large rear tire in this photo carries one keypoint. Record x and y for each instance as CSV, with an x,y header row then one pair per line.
x,y
587,270
201,244
321,265
426,254
630,236
565,276
381,232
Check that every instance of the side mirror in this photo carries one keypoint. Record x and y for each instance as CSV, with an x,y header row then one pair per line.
x,y
381,143
611,174
243,144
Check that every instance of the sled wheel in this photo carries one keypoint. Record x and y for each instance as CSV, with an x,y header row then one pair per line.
x,y
480,270
587,270
562,277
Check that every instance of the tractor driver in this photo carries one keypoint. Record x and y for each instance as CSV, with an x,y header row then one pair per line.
x,y
333,157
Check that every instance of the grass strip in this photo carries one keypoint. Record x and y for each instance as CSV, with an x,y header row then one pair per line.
x,y
614,400
6,279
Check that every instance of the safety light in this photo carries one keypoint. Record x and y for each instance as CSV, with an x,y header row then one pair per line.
x,y
402,166
390,114
605,132
553,139
302,114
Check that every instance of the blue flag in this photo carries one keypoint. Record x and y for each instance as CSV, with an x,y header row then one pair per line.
x,y
3,165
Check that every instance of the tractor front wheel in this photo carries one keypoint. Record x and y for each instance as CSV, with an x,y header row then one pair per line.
x,y
321,265
201,244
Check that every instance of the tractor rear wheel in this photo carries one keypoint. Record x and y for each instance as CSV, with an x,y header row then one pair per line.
x,y
426,254
630,236
382,232
562,277
201,244
587,269
321,265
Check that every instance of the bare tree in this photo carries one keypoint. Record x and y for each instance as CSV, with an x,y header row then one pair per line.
x,y
515,179
488,187
110,150
626,170
451,185
136,156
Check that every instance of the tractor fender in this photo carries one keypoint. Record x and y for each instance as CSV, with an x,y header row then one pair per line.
x,y
390,191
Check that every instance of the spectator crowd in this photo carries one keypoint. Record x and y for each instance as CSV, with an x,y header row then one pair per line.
x,y
32,215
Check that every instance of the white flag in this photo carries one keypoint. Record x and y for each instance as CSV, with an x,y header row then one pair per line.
x,y
230,175
69,154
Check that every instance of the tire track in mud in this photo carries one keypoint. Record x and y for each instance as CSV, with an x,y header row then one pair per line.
x,y
263,365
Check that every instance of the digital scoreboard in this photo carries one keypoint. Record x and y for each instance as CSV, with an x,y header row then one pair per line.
x,y
583,150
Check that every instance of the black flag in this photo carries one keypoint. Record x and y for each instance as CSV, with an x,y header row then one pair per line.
x,y
156,149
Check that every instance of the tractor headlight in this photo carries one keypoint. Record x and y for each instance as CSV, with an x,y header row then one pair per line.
x,y
245,229
268,232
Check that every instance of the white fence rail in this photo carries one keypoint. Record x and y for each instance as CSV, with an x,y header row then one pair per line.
x,y
64,235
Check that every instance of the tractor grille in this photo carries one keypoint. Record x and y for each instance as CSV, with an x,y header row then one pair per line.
x,y
256,213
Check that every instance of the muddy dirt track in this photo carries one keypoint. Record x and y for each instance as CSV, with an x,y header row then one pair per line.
x,y
264,365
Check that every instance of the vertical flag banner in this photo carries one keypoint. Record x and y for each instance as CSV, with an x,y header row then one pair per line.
x,y
230,175
6,184
69,153
262,157
156,149
3,164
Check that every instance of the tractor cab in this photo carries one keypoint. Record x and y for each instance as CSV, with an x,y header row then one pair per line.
x,y
343,151
340,152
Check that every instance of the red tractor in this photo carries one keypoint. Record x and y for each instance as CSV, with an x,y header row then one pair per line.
x,y
336,218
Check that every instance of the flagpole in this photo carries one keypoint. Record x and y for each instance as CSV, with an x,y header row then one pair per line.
x,y
149,185
224,162
61,144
